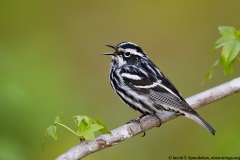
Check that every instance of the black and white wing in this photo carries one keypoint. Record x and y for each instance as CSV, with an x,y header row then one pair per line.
x,y
153,84
147,80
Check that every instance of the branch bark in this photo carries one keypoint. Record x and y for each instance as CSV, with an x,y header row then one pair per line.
x,y
129,130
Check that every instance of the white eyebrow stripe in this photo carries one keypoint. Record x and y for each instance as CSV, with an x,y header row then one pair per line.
x,y
131,76
132,51
127,43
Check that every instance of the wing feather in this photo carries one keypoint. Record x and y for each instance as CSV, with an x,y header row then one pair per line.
x,y
162,92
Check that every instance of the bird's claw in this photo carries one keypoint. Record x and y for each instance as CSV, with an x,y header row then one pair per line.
x,y
160,121
137,120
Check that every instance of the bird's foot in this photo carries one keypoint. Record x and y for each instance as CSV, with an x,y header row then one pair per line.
x,y
159,119
137,120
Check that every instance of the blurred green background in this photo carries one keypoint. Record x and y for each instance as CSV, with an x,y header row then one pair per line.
x,y
51,61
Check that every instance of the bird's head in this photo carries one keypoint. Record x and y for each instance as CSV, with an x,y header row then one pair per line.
x,y
126,53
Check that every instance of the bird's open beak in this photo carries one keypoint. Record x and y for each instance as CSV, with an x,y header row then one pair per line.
x,y
110,53
111,46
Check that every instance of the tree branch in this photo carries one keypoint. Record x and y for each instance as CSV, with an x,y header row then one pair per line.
x,y
129,130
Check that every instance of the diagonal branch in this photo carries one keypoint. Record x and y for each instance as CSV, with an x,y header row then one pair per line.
x,y
129,130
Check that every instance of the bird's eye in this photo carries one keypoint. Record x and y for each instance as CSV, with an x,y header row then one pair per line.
x,y
127,54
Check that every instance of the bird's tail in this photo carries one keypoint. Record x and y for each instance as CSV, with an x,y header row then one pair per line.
x,y
202,123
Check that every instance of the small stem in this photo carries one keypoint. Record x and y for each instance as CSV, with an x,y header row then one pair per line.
x,y
68,128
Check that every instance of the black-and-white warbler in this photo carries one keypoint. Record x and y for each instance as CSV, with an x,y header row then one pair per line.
x,y
143,87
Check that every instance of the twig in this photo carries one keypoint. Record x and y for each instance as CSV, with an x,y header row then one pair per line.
x,y
129,130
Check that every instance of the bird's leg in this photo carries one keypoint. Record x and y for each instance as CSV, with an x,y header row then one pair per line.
x,y
137,120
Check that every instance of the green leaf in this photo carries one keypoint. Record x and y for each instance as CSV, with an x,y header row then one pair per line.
x,y
78,120
230,43
104,129
229,53
51,130
227,32
83,122
210,72
233,51
87,126
88,133
57,119
238,33
231,67
220,42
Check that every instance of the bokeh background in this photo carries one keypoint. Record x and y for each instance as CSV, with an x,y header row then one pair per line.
x,y
51,61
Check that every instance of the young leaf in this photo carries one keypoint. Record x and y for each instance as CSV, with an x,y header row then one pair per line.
x,y
230,43
87,126
218,44
78,120
210,72
57,119
227,32
88,133
104,129
82,122
51,130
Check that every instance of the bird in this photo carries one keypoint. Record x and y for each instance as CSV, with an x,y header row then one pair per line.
x,y
142,86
